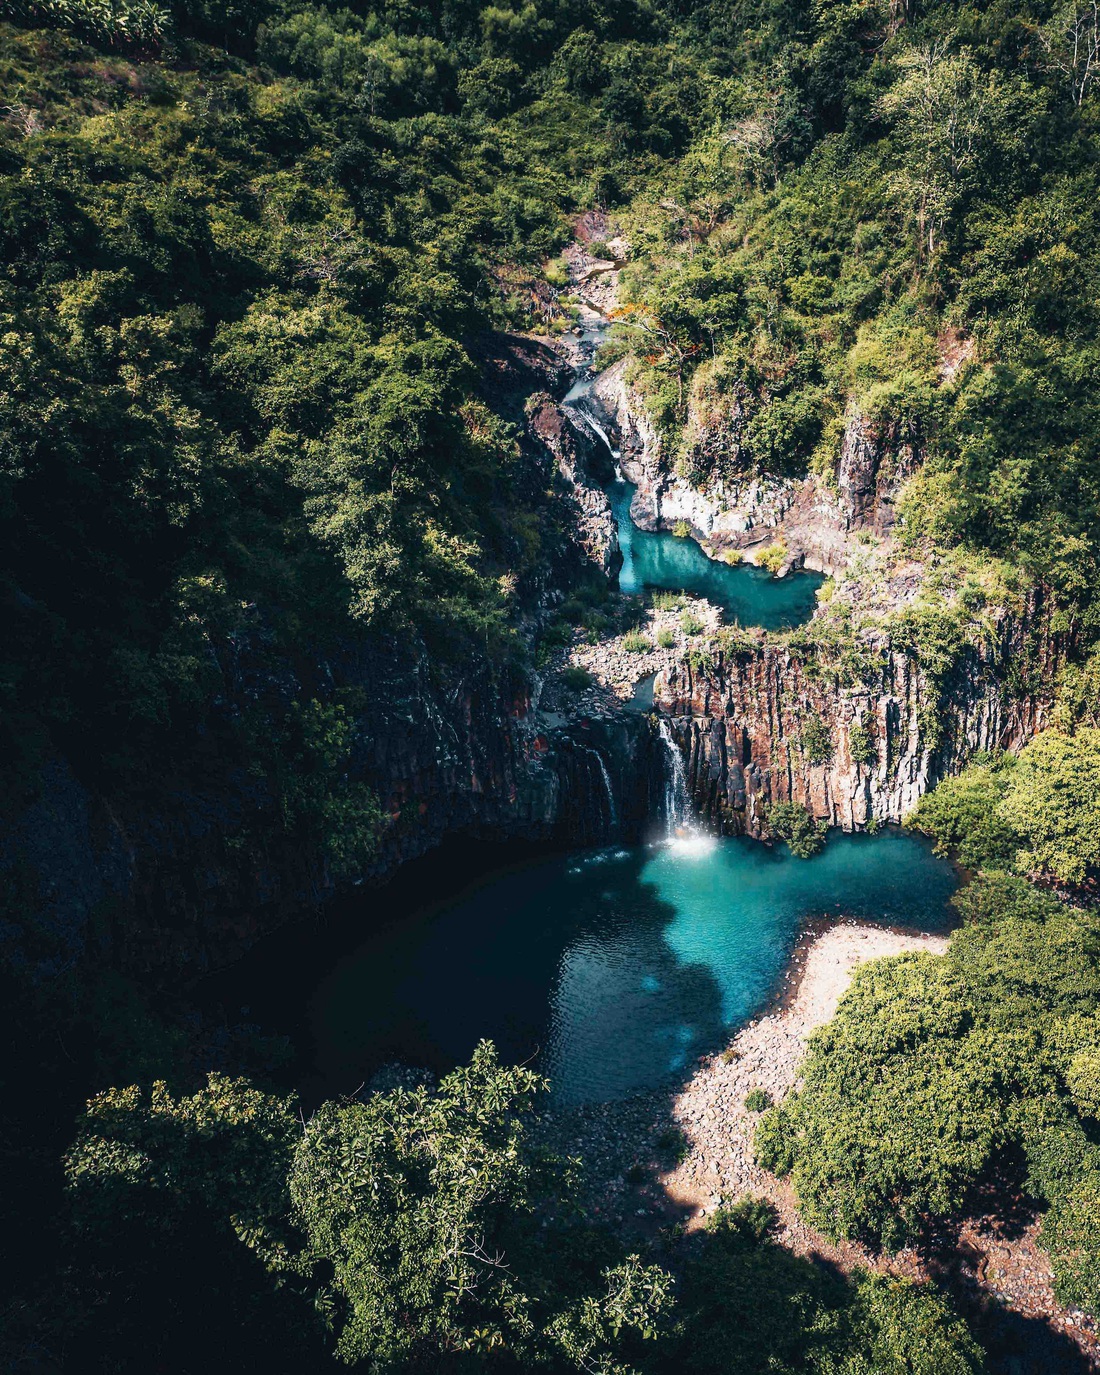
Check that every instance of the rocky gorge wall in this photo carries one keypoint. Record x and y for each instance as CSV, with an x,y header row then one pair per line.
x,y
179,882
814,518
180,876
184,880
743,726
741,721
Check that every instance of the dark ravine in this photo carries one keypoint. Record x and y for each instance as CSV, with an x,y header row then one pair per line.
x,y
184,881
181,879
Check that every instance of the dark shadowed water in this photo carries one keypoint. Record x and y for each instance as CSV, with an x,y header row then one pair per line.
x,y
614,968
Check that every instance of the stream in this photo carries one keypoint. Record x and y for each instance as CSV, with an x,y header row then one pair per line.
x,y
660,560
610,969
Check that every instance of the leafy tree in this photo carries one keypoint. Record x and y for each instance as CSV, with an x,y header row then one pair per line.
x,y
792,823
1071,42
424,1205
1053,803
963,815
179,1204
938,1069
151,1155
942,106
749,1305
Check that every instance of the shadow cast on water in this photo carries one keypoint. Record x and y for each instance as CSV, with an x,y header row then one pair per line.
x,y
610,971
559,959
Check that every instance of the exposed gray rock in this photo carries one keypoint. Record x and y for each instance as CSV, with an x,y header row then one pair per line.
x,y
579,457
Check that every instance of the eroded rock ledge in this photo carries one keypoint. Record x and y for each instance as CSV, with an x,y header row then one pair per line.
x,y
815,519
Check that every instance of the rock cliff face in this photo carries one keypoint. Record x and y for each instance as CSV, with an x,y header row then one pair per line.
x,y
583,465
185,879
182,882
813,518
874,461
763,726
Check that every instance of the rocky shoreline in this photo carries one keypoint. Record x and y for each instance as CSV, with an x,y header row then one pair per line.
x,y
660,1164
707,1116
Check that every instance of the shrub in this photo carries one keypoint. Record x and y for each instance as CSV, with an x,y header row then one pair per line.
x,y
690,624
789,822
682,530
666,601
320,801
733,557
556,272
773,557
635,642
734,639
557,635
758,1100
817,741
700,659
674,1144
576,678
665,638
861,743
962,815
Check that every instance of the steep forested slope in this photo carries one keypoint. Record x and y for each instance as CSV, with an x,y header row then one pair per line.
x,y
253,259
895,216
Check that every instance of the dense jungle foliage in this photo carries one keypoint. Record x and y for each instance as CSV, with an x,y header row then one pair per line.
x,y
945,1076
251,254
892,215
428,1231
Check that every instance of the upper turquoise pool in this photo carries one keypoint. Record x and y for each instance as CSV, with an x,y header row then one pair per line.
x,y
747,594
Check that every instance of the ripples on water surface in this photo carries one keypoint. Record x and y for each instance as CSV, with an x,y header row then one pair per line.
x,y
617,966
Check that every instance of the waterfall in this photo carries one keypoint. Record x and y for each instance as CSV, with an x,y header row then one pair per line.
x,y
590,420
612,810
677,800
684,837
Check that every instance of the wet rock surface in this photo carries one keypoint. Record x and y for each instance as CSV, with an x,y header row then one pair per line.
x,y
582,463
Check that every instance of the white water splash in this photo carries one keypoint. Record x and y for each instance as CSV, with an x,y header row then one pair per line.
x,y
682,836
589,419
691,844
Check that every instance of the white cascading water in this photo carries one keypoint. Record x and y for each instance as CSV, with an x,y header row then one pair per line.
x,y
590,420
680,829
612,810
677,800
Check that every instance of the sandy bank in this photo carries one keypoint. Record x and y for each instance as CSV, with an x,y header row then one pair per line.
x,y
766,1054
